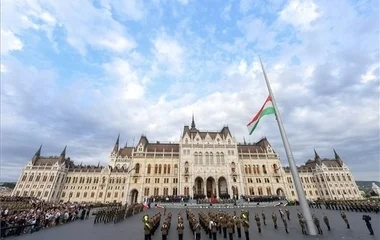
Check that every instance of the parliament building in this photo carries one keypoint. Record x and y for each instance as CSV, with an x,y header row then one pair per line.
x,y
202,163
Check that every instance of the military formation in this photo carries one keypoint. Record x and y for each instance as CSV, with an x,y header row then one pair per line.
x,y
348,205
117,213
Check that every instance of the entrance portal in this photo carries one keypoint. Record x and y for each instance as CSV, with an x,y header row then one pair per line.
x,y
211,187
134,196
198,186
222,188
280,192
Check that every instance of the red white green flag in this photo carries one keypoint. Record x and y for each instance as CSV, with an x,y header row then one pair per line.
x,y
266,109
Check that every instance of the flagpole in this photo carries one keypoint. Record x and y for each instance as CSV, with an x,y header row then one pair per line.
x,y
293,167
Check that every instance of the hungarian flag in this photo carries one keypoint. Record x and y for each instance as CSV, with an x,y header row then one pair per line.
x,y
266,109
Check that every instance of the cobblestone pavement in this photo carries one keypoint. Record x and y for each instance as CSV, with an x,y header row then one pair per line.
x,y
132,228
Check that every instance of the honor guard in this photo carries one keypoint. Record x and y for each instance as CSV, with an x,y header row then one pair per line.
x,y
147,227
274,219
180,228
285,225
213,230
263,217
317,224
165,230
238,226
344,217
303,225
287,213
367,220
224,222
197,230
326,220
258,223
244,219
230,227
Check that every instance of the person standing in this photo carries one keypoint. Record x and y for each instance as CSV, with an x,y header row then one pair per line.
x,y
263,217
230,227
258,223
367,219
180,228
326,220
274,219
317,224
344,217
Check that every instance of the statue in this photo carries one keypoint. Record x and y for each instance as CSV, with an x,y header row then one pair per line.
x,y
376,189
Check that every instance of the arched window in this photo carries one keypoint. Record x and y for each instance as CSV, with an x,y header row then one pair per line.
x,y
24,177
155,168
168,168
164,168
269,191
31,178
348,177
207,158
159,169
104,180
200,158
186,141
233,167
257,169
229,141
275,170
246,169
175,168
264,169
217,159
196,158
211,158
222,157
249,169
260,190
186,167
137,168
148,170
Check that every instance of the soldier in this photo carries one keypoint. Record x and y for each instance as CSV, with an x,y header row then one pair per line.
x,y
224,226
238,227
213,230
257,218
147,229
303,225
180,228
263,217
287,213
344,217
246,228
317,224
326,220
164,230
230,226
197,230
367,220
274,219
285,225
299,214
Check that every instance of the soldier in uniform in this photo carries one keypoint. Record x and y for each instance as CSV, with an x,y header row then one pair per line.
x,y
230,227
165,230
213,230
326,220
285,225
224,225
197,230
317,224
246,228
274,219
263,217
180,228
147,228
287,213
238,227
303,225
258,223
344,217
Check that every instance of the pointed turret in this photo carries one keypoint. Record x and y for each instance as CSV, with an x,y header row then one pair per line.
x,y
245,143
317,158
37,155
63,155
116,147
337,158
192,122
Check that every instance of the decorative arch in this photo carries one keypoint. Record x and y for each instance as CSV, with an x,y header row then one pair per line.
x,y
149,168
210,187
134,196
217,158
207,160
137,168
222,187
280,192
155,168
198,186
200,158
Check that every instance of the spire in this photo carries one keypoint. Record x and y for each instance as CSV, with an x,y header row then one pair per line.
x,y
116,147
98,163
63,154
126,144
192,122
37,155
245,143
337,158
316,157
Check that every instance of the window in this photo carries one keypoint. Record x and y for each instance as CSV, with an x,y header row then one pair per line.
x,y
85,194
31,178
78,194
159,169
186,191
233,167
196,158
165,168
92,194
264,169
175,168
168,168
260,190
137,168
217,158
156,191
207,158
116,194
46,194
269,191
108,195
155,169
166,191
146,192
175,191
211,156
275,170
24,177
147,180
200,158
249,169
148,170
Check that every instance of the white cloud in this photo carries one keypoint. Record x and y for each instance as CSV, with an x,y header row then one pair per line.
x,y
131,9
10,42
3,68
169,55
226,12
183,2
246,5
300,13
371,73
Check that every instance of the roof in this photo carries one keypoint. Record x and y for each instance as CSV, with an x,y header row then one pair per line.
x,y
224,132
163,147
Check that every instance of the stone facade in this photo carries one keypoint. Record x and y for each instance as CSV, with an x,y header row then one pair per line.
x,y
213,164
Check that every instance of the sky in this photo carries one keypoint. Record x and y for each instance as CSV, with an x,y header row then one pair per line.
x,y
78,73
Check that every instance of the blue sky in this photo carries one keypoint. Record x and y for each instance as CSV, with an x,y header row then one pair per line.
x,y
77,73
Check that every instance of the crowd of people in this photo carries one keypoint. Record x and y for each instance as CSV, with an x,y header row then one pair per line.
x,y
348,205
258,199
26,215
168,199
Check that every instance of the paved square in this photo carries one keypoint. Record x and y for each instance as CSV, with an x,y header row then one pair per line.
x,y
132,228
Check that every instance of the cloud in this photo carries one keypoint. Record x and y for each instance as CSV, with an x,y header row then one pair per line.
x,y
9,42
300,13
135,79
